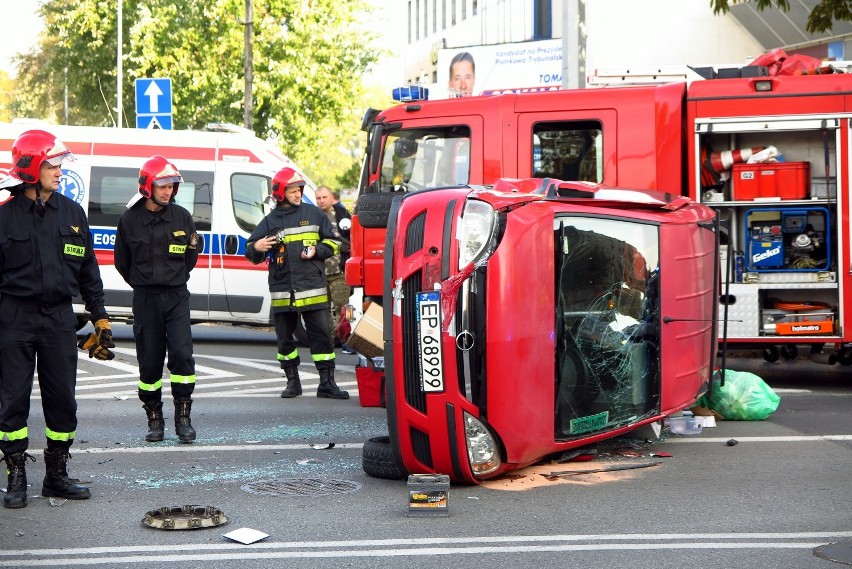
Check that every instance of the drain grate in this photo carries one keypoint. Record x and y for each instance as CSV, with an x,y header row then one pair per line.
x,y
301,487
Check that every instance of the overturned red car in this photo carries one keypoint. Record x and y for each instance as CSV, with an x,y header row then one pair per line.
x,y
534,316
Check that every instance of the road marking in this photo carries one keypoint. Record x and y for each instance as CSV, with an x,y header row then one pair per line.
x,y
778,439
179,447
414,546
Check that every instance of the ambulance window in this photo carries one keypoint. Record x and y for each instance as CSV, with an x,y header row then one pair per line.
x,y
195,195
426,158
568,151
249,191
111,189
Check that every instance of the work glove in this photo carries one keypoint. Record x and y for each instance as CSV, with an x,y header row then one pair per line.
x,y
99,342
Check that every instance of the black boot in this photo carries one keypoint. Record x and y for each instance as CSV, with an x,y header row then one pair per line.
x,y
56,482
294,386
16,491
156,424
183,426
327,388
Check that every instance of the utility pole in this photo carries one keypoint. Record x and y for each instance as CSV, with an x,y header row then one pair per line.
x,y
248,103
573,44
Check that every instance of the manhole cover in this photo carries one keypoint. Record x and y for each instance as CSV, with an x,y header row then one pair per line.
x,y
301,487
839,552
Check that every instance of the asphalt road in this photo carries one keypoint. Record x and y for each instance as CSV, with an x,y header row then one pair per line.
x,y
772,500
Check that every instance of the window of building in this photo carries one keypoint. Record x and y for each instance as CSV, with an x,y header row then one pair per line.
x,y
464,9
112,188
409,22
417,21
434,16
426,18
542,18
569,151
443,14
474,8
453,13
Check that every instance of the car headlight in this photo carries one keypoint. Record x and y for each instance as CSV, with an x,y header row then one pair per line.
x,y
482,449
474,231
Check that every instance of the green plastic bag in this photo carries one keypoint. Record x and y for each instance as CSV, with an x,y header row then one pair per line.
x,y
744,397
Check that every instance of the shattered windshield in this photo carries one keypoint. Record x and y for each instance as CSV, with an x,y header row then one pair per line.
x,y
426,158
607,284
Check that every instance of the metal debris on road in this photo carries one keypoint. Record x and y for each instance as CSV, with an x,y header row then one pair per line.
x,y
566,473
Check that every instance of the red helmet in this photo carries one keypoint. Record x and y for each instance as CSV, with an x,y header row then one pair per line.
x,y
33,148
285,177
158,171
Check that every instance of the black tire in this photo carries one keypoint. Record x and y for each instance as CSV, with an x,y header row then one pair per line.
x,y
373,210
844,356
377,460
771,353
789,351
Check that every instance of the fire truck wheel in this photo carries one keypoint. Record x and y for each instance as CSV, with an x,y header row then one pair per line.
x,y
377,460
789,351
844,356
771,353
373,210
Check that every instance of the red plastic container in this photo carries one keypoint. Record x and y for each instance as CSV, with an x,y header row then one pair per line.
x,y
371,386
785,180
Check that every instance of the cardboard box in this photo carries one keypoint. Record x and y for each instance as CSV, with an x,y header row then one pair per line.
x,y
371,386
367,338
785,180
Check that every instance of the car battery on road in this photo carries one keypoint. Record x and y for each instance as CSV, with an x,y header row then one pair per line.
x,y
789,240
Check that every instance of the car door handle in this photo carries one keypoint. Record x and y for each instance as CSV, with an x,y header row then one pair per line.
x,y
231,242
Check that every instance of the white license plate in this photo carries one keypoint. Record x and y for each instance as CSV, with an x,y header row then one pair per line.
x,y
429,336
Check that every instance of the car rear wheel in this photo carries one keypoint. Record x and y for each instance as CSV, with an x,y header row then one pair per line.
x,y
378,461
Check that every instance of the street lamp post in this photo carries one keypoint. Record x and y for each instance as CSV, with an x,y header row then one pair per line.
x,y
119,74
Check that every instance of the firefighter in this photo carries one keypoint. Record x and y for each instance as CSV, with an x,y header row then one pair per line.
x,y
46,259
155,250
296,238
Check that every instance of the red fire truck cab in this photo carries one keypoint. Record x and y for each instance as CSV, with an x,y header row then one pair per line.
x,y
536,316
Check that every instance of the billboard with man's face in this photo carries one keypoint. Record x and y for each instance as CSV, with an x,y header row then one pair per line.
x,y
494,69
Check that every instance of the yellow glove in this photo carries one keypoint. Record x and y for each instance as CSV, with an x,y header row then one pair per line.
x,y
99,342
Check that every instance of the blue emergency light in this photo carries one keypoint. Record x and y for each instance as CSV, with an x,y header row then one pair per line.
x,y
410,93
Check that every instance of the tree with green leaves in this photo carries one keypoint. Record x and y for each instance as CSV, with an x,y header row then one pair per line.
x,y
308,60
821,18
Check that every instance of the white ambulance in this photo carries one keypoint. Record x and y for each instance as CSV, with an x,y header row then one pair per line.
x,y
227,172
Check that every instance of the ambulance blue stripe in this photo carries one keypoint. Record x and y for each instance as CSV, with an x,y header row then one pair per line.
x,y
103,239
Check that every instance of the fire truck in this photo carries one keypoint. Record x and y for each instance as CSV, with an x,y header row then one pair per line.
x,y
226,171
785,255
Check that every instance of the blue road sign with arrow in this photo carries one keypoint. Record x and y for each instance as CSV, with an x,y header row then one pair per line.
x,y
154,103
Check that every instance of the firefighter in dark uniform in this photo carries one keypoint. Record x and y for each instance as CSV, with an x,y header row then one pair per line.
x,y
46,259
295,239
155,250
